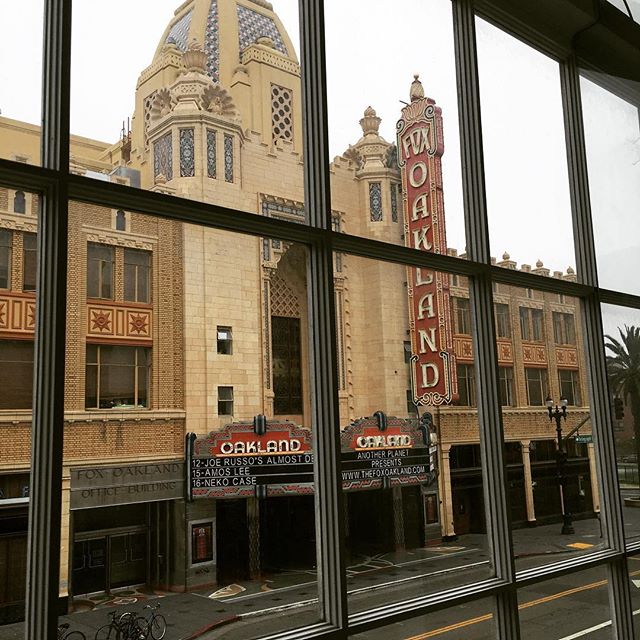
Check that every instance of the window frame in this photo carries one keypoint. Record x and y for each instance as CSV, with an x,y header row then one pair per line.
x,y
56,185
7,250
136,366
139,270
100,271
228,402
29,256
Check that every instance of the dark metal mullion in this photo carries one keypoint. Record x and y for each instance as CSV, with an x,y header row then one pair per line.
x,y
477,232
322,323
619,592
43,554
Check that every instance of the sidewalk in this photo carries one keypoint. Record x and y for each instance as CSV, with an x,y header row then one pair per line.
x,y
193,615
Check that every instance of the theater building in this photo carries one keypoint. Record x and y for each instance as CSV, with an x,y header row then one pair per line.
x,y
175,329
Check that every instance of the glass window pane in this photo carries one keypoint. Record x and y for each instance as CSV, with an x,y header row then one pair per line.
x,y
552,478
621,339
572,606
612,135
21,86
139,378
525,163
411,465
17,325
207,106
375,184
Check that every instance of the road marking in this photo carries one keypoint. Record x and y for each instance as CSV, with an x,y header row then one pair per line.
x,y
580,545
525,605
597,627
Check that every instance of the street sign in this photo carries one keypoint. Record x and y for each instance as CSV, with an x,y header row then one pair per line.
x,y
584,439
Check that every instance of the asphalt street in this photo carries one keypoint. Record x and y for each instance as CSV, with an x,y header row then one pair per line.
x,y
567,608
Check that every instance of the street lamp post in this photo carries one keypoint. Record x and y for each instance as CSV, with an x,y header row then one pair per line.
x,y
558,414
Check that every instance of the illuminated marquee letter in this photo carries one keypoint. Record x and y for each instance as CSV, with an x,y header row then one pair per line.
x,y
428,307
420,207
423,174
428,279
420,238
427,339
426,367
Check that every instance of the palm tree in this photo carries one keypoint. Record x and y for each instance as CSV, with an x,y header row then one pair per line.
x,y
623,365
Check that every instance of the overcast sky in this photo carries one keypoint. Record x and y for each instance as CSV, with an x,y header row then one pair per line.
x,y
372,56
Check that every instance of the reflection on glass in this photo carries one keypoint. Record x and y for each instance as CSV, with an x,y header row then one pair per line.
x,y
411,467
18,224
187,374
21,90
550,456
367,180
622,348
525,166
612,136
208,106
573,606
471,621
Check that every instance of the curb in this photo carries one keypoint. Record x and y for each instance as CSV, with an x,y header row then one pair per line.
x,y
210,627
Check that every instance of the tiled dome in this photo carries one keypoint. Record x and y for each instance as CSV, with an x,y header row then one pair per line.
x,y
201,20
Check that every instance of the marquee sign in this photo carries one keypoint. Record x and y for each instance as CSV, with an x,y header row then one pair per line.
x,y
236,462
420,149
394,455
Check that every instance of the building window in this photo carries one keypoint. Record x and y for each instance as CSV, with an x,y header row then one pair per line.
x,y
19,202
537,386
505,381
225,341
287,366
121,220
570,386
466,386
187,154
16,374
163,157
503,321
6,238
228,157
201,543
137,275
375,201
394,202
225,401
532,324
281,113
100,259
564,330
29,261
462,315
407,351
211,153
117,377
411,407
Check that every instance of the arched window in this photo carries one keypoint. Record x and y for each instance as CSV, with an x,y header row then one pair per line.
x,y
19,202
121,221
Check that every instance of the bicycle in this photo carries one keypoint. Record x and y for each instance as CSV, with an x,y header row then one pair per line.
x,y
63,634
155,623
124,626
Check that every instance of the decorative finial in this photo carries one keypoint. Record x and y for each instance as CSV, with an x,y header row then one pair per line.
x,y
417,90
370,123
194,58
570,271
266,41
539,264
506,256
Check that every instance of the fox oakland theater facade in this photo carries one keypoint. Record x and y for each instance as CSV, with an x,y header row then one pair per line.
x,y
188,449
